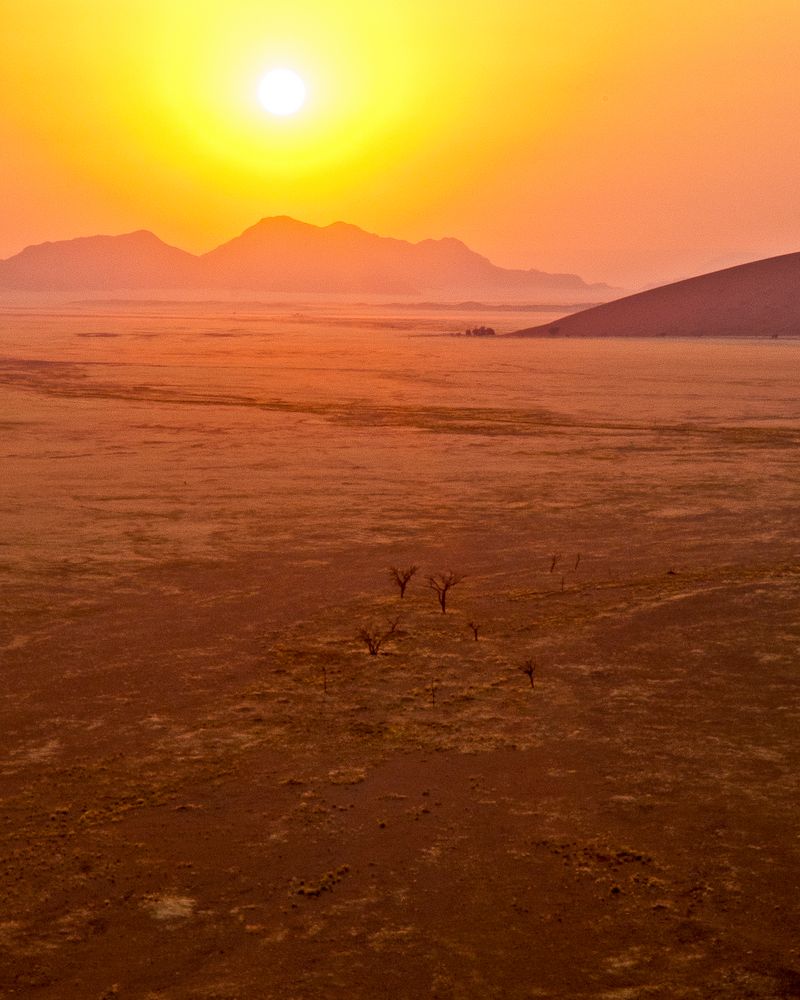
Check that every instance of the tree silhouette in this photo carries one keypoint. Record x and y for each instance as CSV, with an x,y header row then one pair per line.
x,y
374,637
402,576
529,669
441,584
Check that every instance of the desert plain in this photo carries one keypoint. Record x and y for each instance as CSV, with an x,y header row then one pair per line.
x,y
210,790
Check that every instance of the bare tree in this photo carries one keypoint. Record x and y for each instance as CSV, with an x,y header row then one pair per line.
x,y
529,669
402,576
441,583
554,560
375,638
474,626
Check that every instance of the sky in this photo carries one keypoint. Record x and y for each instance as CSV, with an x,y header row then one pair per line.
x,y
629,141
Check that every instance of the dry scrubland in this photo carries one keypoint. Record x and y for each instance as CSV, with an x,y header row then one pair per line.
x,y
211,791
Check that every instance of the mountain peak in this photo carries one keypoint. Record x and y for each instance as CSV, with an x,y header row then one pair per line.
x,y
141,236
347,227
280,222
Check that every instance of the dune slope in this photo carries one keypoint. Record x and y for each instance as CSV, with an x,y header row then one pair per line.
x,y
760,299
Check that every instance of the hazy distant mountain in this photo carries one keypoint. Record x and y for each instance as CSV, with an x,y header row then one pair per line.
x,y
135,261
283,255
760,299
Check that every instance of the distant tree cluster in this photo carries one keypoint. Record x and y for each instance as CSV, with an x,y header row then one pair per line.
x,y
480,331
374,637
441,583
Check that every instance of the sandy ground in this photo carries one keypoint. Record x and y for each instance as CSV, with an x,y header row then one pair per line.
x,y
211,791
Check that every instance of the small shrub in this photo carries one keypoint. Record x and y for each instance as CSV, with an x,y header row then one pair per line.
x,y
374,638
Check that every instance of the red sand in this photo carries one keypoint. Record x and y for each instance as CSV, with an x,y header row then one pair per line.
x,y
211,790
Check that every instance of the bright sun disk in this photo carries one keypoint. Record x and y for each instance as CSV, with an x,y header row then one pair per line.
x,y
282,92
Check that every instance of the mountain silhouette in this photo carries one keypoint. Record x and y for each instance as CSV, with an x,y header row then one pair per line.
x,y
283,255
759,299
136,261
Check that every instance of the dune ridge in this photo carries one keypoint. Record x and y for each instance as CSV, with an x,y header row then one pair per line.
x,y
759,299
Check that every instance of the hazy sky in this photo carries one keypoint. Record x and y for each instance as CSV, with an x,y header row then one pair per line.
x,y
631,141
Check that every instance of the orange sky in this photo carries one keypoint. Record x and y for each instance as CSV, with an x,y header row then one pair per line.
x,y
631,141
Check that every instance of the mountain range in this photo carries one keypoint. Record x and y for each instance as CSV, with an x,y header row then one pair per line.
x,y
283,255
759,299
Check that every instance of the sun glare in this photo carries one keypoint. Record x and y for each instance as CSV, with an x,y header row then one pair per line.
x,y
282,92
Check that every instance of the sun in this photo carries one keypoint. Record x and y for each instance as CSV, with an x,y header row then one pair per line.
x,y
282,92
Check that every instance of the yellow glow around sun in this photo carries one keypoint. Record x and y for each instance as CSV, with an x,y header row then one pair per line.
x,y
211,92
282,92
177,99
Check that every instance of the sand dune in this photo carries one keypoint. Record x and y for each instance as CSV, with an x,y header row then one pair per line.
x,y
760,299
